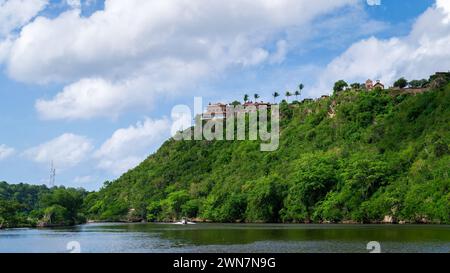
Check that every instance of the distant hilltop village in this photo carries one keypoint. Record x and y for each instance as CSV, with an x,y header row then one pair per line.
x,y
219,110
401,86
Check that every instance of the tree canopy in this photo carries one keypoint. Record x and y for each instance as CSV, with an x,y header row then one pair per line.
x,y
401,83
340,86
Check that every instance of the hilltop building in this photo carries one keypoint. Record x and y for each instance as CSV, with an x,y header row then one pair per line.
x,y
215,111
257,105
378,85
219,110
371,86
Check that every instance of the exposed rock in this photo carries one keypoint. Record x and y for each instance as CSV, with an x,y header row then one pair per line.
x,y
350,222
388,219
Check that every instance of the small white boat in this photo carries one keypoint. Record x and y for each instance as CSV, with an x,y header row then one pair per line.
x,y
184,222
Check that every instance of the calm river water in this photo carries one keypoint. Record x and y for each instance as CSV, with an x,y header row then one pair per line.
x,y
161,238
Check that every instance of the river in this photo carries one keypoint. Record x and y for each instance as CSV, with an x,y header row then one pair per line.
x,y
227,238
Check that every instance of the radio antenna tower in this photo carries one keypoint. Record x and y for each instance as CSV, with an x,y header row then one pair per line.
x,y
52,176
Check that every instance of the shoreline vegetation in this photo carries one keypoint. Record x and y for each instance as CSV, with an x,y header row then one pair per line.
x,y
387,221
378,156
343,223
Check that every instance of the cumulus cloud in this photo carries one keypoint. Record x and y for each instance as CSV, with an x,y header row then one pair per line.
x,y
16,13
172,44
415,56
127,147
13,15
4,49
67,150
93,97
6,152
444,5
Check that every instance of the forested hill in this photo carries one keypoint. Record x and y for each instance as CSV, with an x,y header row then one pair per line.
x,y
23,205
355,156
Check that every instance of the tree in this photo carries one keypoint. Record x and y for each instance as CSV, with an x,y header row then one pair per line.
x,y
418,83
300,87
315,176
299,92
69,199
340,86
57,215
246,97
235,103
9,213
256,96
355,86
288,94
172,207
401,83
265,199
275,96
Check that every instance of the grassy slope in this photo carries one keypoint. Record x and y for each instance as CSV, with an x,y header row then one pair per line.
x,y
380,155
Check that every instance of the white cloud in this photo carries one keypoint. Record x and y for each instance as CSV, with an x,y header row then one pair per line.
x,y
127,147
76,4
5,46
415,56
114,50
444,5
280,54
6,152
67,150
93,97
16,13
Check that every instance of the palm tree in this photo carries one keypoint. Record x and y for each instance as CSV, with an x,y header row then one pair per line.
x,y
288,94
256,96
246,98
300,89
296,94
275,96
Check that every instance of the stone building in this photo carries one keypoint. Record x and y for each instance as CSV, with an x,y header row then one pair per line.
x,y
215,111
371,86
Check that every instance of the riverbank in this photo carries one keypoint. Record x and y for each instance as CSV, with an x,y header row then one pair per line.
x,y
388,220
235,224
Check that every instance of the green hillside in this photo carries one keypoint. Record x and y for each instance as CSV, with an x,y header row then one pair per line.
x,y
23,205
356,156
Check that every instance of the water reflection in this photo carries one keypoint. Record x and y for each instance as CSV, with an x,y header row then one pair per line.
x,y
228,238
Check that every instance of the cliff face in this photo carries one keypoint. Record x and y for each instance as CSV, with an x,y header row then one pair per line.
x,y
355,156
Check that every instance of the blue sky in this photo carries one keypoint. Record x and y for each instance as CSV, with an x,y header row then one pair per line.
x,y
91,85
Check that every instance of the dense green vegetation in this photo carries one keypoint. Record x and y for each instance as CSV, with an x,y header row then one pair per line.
x,y
25,205
356,156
